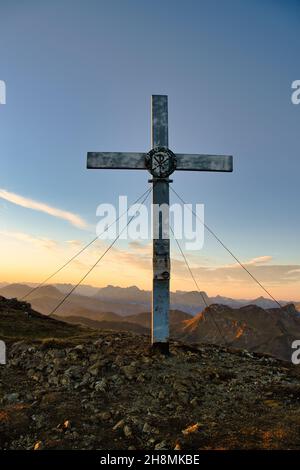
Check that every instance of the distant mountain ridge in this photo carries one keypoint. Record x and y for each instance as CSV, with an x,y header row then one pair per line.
x,y
89,301
251,328
139,323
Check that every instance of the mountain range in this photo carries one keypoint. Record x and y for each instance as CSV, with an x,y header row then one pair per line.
x,y
121,300
250,327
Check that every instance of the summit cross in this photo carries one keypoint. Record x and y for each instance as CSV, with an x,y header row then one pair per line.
x,y
161,162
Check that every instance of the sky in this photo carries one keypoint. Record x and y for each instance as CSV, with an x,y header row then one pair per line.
x,y
79,76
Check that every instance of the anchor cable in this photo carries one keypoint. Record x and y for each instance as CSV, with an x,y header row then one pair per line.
x,y
101,257
198,288
227,249
80,251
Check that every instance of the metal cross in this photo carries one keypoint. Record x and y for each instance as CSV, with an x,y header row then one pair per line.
x,y
161,162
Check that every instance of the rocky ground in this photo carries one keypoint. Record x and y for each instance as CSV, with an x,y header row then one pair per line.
x,y
107,391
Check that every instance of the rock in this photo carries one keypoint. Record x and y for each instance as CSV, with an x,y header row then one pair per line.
x,y
66,424
85,380
65,381
74,372
129,371
147,428
94,369
37,445
161,446
127,431
179,387
191,429
57,353
12,397
104,415
38,420
36,376
119,424
53,379
194,401
101,385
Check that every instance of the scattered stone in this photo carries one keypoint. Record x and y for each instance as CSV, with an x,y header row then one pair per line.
x,y
66,424
161,446
12,397
101,385
129,371
147,428
127,431
104,415
119,424
94,370
191,429
194,401
74,372
37,445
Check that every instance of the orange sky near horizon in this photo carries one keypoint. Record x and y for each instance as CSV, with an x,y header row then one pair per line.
x,y
28,259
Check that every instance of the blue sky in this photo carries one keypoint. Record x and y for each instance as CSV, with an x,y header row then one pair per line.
x,y
79,77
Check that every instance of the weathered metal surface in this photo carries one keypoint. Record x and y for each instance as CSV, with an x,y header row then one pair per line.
x,y
161,267
116,160
160,311
159,121
2,352
161,244
198,162
161,162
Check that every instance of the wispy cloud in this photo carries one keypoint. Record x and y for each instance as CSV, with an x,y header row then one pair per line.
x,y
260,260
293,271
22,201
28,238
269,274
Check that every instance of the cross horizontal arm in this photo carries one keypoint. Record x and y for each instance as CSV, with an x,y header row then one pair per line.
x,y
116,160
190,162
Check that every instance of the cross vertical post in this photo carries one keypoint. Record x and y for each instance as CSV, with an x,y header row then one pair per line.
x,y
161,241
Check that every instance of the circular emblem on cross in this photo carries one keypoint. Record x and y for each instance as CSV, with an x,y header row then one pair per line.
x,y
160,162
